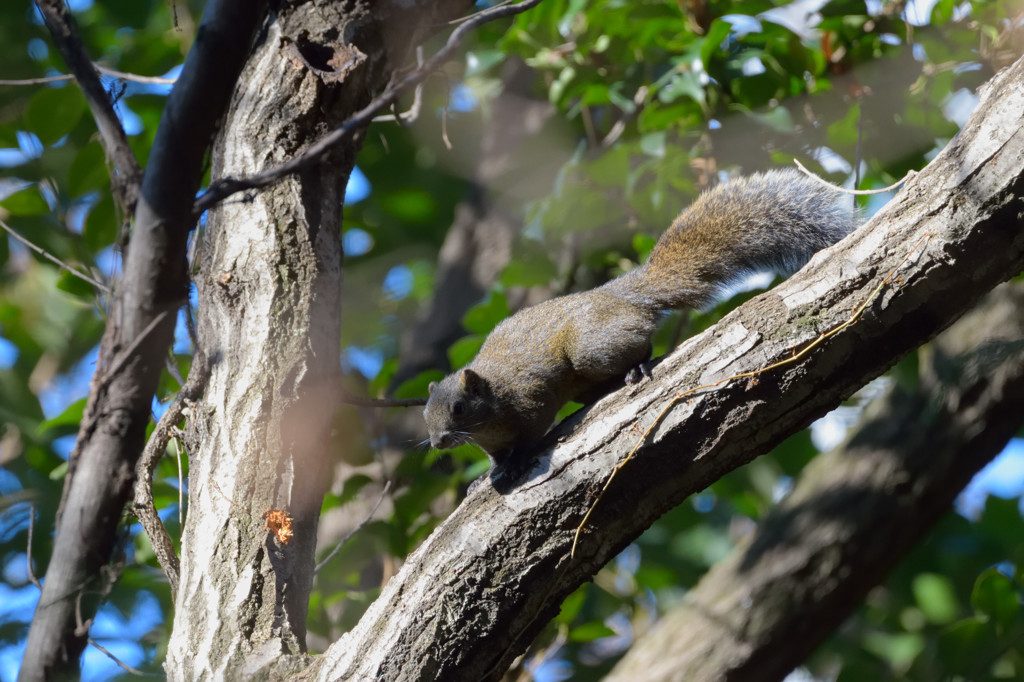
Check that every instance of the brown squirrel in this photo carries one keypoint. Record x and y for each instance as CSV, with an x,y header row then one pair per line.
x,y
579,346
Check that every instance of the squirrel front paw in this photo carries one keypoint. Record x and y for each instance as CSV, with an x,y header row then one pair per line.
x,y
637,374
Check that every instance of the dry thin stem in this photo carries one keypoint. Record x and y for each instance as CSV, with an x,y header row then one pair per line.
x,y
639,98
126,175
856,192
417,101
28,549
349,399
53,259
145,508
348,536
854,316
113,73
124,666
225,187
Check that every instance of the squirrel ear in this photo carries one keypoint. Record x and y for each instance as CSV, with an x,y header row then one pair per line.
x,y
471,382
431,386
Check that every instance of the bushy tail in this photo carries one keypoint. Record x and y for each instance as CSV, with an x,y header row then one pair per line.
x,y
766,221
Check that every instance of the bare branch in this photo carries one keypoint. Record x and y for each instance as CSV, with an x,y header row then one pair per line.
x,y
126,175
225,187
112,434
417,101
121,664
145,508
53,259
114,73
28,547
348,536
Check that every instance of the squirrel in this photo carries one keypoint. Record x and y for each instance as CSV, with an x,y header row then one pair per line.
x,y
580,346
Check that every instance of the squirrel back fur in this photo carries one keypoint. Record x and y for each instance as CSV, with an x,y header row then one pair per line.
x,y
580,346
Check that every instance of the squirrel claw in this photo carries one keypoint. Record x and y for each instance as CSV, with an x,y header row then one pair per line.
x,y
637,374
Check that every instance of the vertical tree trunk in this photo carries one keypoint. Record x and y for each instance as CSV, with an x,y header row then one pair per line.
x,y
269,321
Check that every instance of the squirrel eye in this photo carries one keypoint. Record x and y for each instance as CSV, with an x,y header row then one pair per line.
x,y
458,408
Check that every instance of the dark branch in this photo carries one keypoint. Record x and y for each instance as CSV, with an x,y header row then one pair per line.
x,y
126,175
223,188
139,331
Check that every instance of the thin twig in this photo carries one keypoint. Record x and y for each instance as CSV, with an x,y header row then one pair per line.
x,y
113,73
126,175
53,259
221,189
124,666
145,508
28,549
350,399
639,98
348,536
856,192
417,101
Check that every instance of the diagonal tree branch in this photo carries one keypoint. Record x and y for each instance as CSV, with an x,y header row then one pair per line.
x,y
482,586
126,174
854,513
139,331
223,188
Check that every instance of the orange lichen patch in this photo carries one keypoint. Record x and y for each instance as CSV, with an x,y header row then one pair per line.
x,y
279,522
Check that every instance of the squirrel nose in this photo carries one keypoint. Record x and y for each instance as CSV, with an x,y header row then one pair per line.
x,y
443,440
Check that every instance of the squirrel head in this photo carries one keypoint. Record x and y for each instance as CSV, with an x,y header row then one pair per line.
x,y
457,407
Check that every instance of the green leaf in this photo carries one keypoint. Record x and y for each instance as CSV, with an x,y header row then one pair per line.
x,y
572,605
70,417
717,34
994,596
88,171
8,137
482,317
54,112
936,597
465,349
589,632
963,644
480,61
100,228
58,472
26,202
75,285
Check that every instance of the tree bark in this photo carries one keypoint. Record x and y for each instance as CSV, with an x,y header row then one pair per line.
x,y
854,513
139,332
269,320
481,587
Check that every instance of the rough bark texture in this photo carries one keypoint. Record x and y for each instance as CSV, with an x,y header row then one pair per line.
x,y
139,331
269,301
475,594
854,513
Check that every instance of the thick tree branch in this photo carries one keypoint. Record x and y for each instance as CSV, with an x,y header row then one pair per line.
x,y
139,331
223,188
477,592
125,175
854,513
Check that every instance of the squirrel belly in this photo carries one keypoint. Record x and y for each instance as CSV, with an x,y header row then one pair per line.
x,y
574,347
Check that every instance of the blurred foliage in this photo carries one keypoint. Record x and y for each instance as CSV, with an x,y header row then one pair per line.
x,y
653,101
